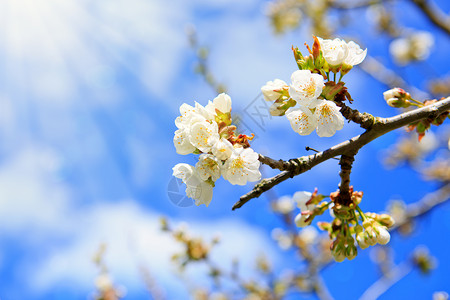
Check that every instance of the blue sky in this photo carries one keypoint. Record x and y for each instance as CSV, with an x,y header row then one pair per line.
x,y
88,96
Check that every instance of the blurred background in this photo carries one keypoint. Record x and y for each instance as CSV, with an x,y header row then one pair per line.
x,y
89,91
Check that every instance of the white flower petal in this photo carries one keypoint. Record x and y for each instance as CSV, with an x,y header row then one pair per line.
x,y
242,166
222,103
222,149
202,133
305,87
329,118
273,89
199,190
300,220
355,54
302,120
334,51
208,166
183,171
181,142
301,198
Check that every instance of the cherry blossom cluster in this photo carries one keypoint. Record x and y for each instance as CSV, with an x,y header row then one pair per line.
x,y
350,226
308,102
208,131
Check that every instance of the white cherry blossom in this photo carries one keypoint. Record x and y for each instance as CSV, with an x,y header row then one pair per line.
x,y
355,54
202,134
416,46
191,115
273,89
222,149
301,198
183,171
187,112
199,190
334,51
302,120
306,87
283,205
181,142
196,188
222,103
242,166
329,118
308,235
208,166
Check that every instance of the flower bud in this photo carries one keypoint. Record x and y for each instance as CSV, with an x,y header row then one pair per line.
x,y
385,220
339,257
383,235
351,252
338,251
397,97
370,236
274,90
360,238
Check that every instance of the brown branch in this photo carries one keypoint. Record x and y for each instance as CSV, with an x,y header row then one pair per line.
x,y
434,14
300,165
365,120
344,187
384,283
423,206
388,77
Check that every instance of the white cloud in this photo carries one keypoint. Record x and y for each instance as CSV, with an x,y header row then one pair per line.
x,y
37,207
133,239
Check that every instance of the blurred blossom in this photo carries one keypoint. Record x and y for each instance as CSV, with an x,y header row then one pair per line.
x,y
283,205
416,46
283,239
308,235
284,15
410,150
440,295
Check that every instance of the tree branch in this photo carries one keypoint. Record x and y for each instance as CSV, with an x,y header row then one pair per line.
x,y
385,282
424,205
434,14
381,126
365,120
344,187
388,77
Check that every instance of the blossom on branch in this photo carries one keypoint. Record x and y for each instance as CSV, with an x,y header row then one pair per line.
x,y
242,166
329,118
302,120
334,51
302,198
342,55
306,87
221,103
208,131
208,166
273,90
196,188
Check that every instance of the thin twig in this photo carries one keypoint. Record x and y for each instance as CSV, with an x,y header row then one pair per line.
x,y
434,14
423,206
388,77
302,164
384,283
